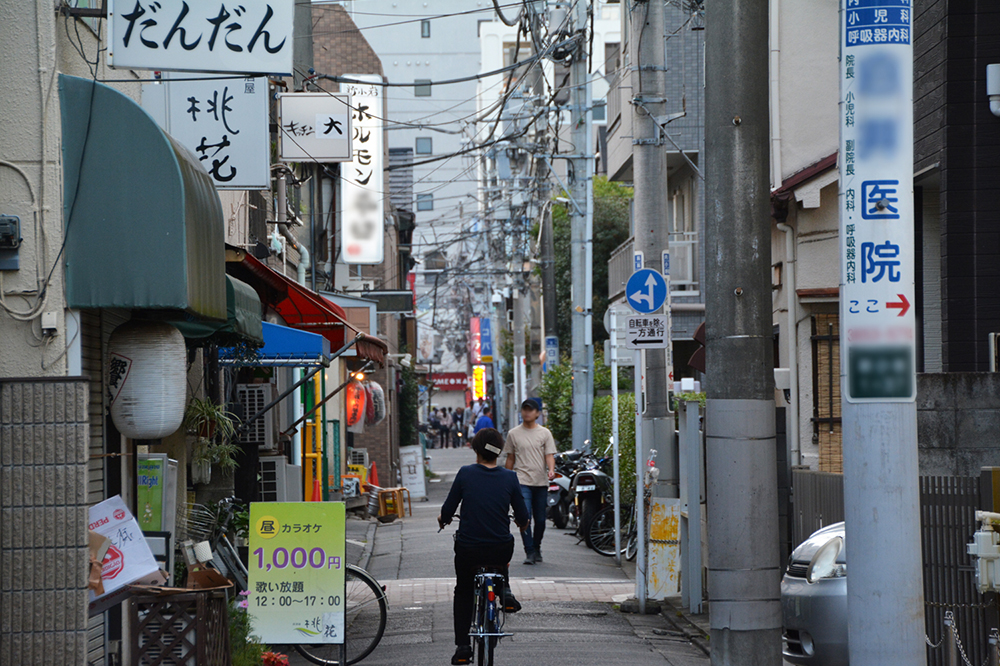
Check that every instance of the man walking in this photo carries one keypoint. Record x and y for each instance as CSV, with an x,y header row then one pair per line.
x,y
484,421
531,452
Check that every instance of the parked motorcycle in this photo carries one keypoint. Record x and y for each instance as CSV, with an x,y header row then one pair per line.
x,y
560,505
591,488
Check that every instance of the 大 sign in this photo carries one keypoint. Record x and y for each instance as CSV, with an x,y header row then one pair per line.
x,y
252,36
361,180
223,122
315,127
297,571
876,212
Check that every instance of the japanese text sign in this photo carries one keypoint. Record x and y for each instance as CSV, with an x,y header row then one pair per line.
x,y
449,381
361,180
315,127
297,571
876,203
249,36
223,122
475,345
479,382
647,332
486,340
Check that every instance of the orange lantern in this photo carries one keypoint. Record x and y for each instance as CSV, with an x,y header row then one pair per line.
x,y
356,403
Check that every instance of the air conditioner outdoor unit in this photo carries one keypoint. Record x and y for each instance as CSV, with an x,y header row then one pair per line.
x,y
279,481
359,457
254,397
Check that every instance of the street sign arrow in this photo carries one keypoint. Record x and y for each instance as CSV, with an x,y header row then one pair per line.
x,y
646,291
903,305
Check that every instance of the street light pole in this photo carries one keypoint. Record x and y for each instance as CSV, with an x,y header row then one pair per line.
x,y
741,460
581,174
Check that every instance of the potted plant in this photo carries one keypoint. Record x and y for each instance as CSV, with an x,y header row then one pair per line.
x,y
214,428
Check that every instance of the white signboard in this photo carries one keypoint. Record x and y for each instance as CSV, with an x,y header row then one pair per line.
x,y
647,331
876,214
223,122
411,466
249,37
315,127
362,189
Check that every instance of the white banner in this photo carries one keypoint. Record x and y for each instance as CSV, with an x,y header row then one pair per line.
x,y
363,229
223,122
315,127
876,215
251,37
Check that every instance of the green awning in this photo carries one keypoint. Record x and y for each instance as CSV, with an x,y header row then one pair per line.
x,y
144,225
243,320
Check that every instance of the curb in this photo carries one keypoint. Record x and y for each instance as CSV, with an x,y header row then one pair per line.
x,y
369,549
683,623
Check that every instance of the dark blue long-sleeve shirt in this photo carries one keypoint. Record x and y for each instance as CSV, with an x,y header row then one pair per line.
x,y
486,495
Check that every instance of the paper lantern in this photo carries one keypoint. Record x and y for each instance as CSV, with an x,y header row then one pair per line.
x,y
147,379
356,400
378,402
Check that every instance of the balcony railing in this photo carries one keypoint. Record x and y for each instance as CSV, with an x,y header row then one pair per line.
x,y
683,265
619,267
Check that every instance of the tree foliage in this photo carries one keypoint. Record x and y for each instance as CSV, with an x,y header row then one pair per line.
x,y
612,213
409,406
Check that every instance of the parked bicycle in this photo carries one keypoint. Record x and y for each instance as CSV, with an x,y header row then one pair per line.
x,y
365,612
600,534
212,526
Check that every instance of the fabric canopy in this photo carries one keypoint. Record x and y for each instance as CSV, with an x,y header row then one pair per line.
x,y
304,309
144,226
243,320
284,347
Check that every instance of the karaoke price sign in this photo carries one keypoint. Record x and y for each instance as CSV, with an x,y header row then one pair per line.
x,y
297,564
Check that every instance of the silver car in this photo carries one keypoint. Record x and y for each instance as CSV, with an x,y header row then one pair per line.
x,y
814,600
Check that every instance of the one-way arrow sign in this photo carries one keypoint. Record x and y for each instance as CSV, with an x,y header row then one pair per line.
x,y
902,305
647,332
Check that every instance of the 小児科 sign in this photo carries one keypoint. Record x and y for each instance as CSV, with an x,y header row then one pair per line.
x,y
296,568
878,325
252,37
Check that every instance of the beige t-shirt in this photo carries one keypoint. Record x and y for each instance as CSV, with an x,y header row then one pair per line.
x,y
530,446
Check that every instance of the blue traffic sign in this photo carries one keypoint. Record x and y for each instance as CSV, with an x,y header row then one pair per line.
x,y
646,291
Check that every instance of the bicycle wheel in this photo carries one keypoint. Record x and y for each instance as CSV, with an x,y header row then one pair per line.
x,y
601,535
365,611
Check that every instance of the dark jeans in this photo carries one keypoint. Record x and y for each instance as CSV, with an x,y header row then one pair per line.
x,y
468,559
536,499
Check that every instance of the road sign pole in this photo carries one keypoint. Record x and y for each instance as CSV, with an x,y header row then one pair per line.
x,y
614,432
877,335
640,493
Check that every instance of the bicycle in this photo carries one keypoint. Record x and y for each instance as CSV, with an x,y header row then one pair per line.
x,y
488,614
365,611
600,534
212,525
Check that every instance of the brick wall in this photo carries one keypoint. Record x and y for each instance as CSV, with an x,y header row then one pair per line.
x,y
380,440
338,45
43,521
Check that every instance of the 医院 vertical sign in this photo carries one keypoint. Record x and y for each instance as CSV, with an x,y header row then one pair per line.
x,y
876,202
251,36
223,122
362,189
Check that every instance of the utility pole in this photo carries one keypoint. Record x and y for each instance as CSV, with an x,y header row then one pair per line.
x,y
741,461
879,383
581,175
649,162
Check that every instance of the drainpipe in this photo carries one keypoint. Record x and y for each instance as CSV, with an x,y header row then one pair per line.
x,y
301,278
793,343
775,6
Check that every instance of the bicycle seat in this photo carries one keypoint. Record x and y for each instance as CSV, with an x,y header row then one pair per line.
x,y
492,569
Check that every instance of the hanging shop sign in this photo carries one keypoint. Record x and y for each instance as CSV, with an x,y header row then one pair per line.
x,y
475,342
315,127
362,196
878,327
252,37
357,403
479,382
485,340
297,582
223,122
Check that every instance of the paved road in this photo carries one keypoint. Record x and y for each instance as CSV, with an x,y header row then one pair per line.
x,y
567,616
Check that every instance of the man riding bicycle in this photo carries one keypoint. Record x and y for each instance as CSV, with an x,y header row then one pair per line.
x,y
486,493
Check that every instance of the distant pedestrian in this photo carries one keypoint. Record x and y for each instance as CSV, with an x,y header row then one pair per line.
x,y
457,421
531,451
484,421
444,430
435,428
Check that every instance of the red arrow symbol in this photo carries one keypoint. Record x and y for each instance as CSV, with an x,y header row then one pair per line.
x,y
903,305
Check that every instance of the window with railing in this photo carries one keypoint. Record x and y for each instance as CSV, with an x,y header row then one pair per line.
x,y
683,240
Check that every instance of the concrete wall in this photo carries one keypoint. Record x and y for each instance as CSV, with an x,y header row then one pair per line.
x,y
37,49
958,422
